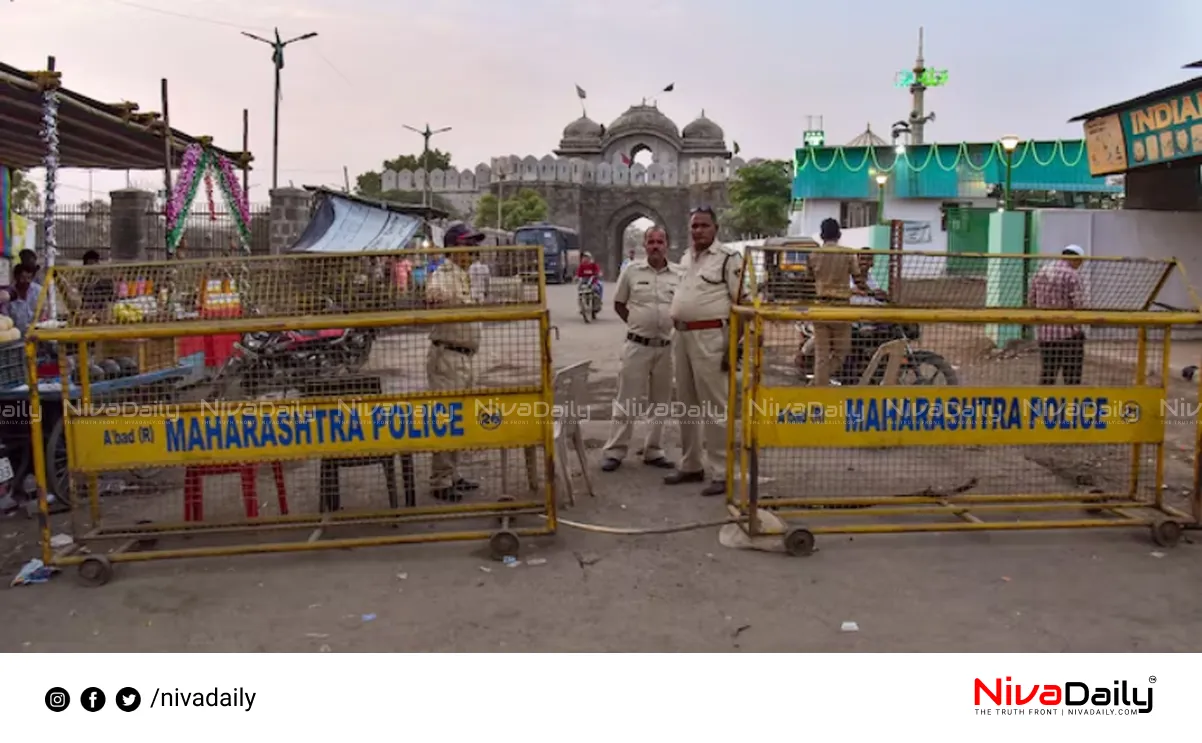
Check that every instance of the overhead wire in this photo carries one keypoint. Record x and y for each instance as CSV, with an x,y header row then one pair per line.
x,y
188,16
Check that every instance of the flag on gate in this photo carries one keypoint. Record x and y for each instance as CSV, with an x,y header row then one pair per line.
x,y
626,161
670,88
580,93
736,144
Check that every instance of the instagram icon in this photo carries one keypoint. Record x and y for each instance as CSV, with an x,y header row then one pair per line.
x,y
57,699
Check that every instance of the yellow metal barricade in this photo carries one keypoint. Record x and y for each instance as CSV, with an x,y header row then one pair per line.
x,y
316,402
960,405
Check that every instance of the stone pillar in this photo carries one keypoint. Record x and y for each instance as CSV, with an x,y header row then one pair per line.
x,y
1004,277
130,234
289,217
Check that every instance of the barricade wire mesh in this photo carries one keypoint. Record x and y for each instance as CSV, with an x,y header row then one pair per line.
x,y
283,286
927,280
958,411
347,416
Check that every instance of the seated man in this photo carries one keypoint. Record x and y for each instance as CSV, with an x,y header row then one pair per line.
x,y
96,294
23,298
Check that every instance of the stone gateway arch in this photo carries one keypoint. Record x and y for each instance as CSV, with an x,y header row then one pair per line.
x,y
592,183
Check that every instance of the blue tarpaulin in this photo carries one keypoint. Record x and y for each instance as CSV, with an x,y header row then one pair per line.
x,y
345,224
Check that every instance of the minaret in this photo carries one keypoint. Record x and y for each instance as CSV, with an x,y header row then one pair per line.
x,y
918,118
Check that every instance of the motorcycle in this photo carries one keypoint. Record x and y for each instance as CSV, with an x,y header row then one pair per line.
x,y
871,346
588,299
287,359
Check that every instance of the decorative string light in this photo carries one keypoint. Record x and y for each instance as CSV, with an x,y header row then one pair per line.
x,y
807,158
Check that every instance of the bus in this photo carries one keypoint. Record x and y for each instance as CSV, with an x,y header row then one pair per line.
x,y
558,244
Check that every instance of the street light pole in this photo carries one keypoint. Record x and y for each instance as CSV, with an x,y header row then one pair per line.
x,y
277,59
881,180
1009,145
426,134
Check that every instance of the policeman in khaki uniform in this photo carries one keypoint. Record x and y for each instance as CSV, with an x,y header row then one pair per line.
x,y
711,280
834,276
452,347
644,300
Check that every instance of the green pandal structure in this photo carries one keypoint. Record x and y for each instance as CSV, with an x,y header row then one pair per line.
x,y
943,171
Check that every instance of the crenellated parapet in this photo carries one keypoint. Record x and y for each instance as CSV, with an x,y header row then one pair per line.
x,y
549,169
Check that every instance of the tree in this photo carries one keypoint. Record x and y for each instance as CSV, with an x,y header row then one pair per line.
x,y
437,159
371,183
524,207
25,198
760,197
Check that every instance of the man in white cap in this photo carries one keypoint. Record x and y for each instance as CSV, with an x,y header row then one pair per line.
x,y
1058,286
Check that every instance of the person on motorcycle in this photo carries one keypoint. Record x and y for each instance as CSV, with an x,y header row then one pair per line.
x,y
834,276
590,271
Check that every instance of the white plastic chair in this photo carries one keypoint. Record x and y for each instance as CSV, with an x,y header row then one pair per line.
x,y
571,396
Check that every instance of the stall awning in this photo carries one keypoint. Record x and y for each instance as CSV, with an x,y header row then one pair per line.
x,y
342,223
91,134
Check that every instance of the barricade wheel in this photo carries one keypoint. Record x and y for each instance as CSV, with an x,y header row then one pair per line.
x,y
95,570
1166,533
503,544
799,542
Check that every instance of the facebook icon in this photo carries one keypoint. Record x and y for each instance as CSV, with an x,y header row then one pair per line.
x,y
92,699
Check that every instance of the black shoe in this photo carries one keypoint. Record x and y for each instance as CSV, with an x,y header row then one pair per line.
x,y
662,463
679,478
609,464
447,495
466,485
716,487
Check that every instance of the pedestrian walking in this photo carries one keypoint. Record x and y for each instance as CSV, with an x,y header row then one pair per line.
x,y
711,279
1058,286
643,299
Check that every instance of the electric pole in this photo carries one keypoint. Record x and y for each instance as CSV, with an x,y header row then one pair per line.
x,y
426,134
277,60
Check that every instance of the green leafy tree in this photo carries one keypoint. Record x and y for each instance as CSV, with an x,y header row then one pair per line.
x,y
25,197
760,197
524,207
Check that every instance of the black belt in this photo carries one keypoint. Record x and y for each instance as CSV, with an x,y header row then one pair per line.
x,y
652,342
457,349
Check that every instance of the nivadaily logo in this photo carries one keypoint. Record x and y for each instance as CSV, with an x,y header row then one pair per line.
x,y
1068,698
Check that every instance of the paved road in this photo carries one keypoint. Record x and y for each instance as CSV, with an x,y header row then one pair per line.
x,y
1026,591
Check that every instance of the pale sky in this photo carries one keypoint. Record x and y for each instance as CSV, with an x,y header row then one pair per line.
x,y
502,72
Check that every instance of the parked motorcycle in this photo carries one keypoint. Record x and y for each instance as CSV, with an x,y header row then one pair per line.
x,y
287,359
588,299
918,367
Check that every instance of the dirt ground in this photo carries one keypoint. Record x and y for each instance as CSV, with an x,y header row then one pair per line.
x,y
1106,590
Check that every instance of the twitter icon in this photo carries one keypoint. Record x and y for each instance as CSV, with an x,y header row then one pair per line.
x,y
128,699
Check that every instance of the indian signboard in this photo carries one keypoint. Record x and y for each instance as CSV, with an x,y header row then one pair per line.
x,y
814,138
1150,134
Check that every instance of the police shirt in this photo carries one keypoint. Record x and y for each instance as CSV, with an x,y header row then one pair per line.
x,y
648,294
449,286
710,282
833,273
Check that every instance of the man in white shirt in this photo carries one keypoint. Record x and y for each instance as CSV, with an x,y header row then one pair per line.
x,y
874,293
479,274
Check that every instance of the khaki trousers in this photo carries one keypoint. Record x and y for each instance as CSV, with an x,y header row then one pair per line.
x,y
446,370
832,343
701,386
644,393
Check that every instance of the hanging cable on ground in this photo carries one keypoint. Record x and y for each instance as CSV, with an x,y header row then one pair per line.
x,y
632,532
